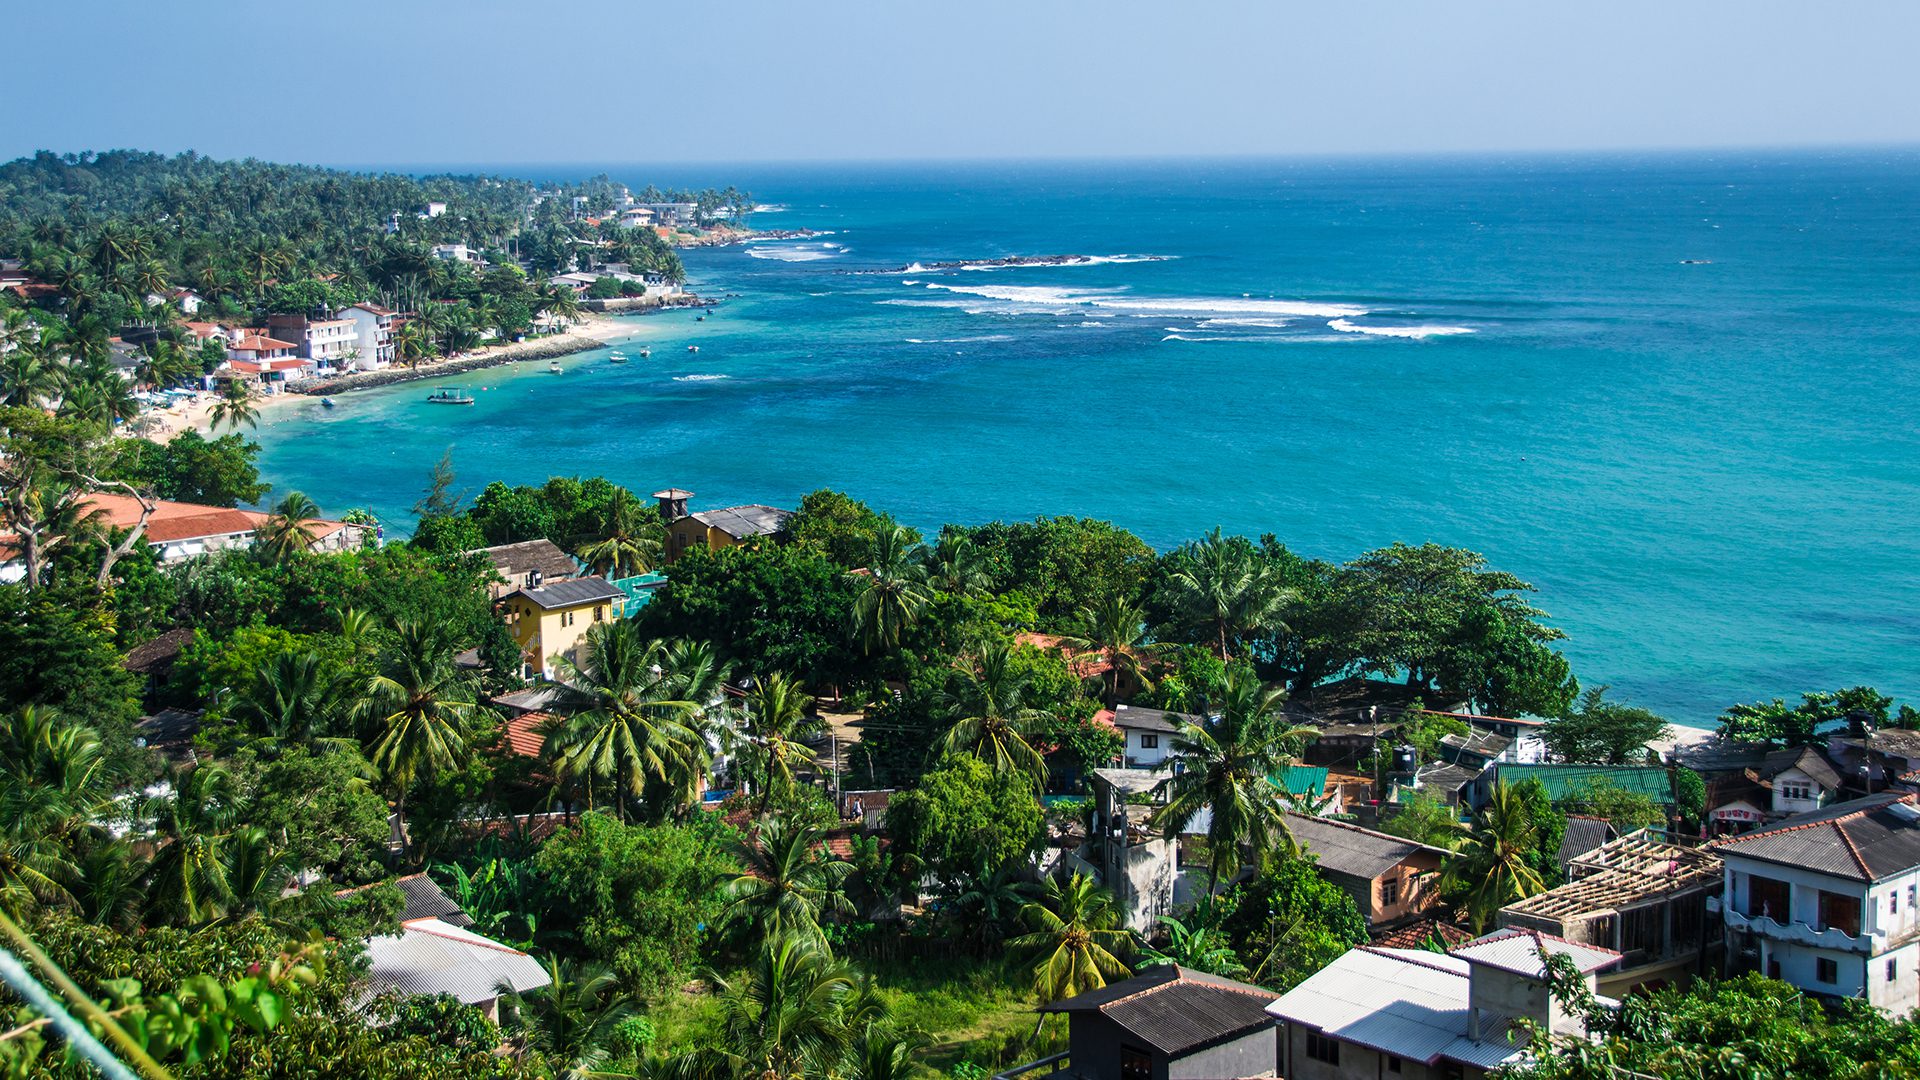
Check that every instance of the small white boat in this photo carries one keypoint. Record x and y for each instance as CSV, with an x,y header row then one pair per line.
x,y
693,348
554,366
326,403
645,353
616,358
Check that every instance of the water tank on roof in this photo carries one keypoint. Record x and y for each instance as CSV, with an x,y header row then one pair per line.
x,y
1405,758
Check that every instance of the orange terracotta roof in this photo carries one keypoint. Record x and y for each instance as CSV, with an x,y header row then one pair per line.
x,y
525,734
272,363
255,341
1084,668
172,521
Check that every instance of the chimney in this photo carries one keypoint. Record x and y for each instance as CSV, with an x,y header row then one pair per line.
x,y
673,503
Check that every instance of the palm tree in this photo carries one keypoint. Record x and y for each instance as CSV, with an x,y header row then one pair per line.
x,y
895,592
29,375
628,541
785,1016
258,871
1198,947
188,881
56,787
787,885
1075,929
1115,632
631,723
289,531
574,1018
993,717
1226,765
1222,583
884,1052
773,721
1492,868
954,565
292,699
234,408
411,343
988,902
421,705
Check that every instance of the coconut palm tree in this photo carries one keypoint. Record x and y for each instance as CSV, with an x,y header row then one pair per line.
x,y
992,717
988,902
572,1020
773,720
954,565
1227,765
1492,868
787,884
628,541
882,1051
895,593
1222,583
1115,632
631,722
188,883
420,706
292,699
412,343
1075,930
289,531
784,1017
234,408
56,786
29,375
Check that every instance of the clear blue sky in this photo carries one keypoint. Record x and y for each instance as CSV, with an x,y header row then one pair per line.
x,y
416,81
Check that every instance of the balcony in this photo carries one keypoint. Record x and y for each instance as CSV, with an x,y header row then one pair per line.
x,y
1800,933
1052,1065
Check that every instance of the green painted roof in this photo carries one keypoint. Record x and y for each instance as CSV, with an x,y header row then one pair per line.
x,y
1301,780
639,588
1566,781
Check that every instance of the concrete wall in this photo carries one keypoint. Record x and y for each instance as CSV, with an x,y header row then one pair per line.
x,y
1253,1054
1139,756
1356,1063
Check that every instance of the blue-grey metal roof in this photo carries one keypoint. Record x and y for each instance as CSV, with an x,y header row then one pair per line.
x,y
429,956
1861,839
1175,1009
1407,1003
565,594
741,522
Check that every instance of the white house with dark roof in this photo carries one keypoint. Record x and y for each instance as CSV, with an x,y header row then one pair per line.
x,y
1420,1015
1801,780
1830,901
1149,733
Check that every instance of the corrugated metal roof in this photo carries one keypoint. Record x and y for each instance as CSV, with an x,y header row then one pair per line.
x,y
1138,719
1567,781
433,957
741,522
1518,951
565,594
1395,1001
1861,839
1176,1009
1350,849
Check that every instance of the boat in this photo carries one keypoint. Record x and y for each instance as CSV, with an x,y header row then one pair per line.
x,y
554,366
693,348
449,397
326,403
645,353
616,358
699,318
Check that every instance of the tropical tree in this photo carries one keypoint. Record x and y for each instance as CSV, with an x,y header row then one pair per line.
x,y
895,592
188,882
787,885
573,1020
785,1016
772,723
55,788
629,539
955,566
293,698
234,408
1224,584
1075,930
1115,632
420,706
631,722
1227,765
289,531
1199,947
992,718
1494,866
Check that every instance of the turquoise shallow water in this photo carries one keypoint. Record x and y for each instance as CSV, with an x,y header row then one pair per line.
x,y
1711,470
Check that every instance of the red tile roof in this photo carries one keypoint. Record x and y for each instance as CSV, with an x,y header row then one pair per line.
x,y
525,734
275,363
255,341
1085,668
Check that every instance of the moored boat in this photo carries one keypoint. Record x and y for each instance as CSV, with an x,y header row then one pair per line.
x,y
554,366
449,397
326,403
616,357
645,353
693,348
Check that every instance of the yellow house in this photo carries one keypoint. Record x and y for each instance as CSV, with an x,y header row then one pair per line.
x,y
715,530
549,622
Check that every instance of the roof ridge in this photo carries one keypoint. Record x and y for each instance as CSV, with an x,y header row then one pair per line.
x,y
482,942
1851,815
1536,935
1382,951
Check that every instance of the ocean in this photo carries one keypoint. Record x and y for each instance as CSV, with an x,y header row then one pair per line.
x,y
1676,393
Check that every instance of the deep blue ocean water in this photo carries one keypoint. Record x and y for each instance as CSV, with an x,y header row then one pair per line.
x,y
1711,470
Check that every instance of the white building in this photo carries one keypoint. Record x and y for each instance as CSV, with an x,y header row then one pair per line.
x,y
1419,1015
459,253
1830,901
1149,733
435,209
332,344
373,327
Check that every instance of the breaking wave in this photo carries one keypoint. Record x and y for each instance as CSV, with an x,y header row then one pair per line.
x,y
700,378
1346,327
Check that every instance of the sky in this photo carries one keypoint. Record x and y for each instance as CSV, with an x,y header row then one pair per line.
x,y
397,82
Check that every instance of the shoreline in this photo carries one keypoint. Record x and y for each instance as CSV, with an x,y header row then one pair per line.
x,y
591,331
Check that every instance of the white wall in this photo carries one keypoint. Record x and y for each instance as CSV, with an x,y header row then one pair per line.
x,y
1141,756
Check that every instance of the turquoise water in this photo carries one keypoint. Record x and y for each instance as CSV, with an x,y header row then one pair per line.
x,y
1711,471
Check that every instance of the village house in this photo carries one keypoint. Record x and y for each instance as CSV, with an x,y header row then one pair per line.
x,y
458,253
1149,734
1870,760
1642,896
1139,865
178,531
1166,1023
437,952
715,530
373,328
548,621
268,361
332,344
528,564
1391,879
1570,783
186,300
1420,1015
1800,780
1830,900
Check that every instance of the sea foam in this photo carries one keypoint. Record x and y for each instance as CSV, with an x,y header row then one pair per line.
x,y
699,378
1347,327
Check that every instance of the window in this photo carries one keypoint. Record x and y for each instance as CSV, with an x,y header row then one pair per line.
x,y
566,618
1393,1064
1321,1048
1893,902
599,613
1840,912
1135,1064
1389,892
1768,896
1893,970
1826,970
1149,742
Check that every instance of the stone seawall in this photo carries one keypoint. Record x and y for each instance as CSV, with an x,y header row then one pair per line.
x,y
563,345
